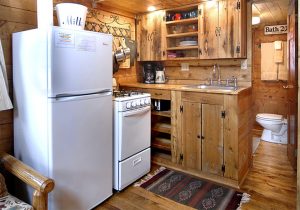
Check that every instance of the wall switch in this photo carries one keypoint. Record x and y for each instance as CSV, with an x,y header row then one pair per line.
x,y
185,67
244,64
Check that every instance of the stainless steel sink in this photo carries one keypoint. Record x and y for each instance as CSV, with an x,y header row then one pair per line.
x,y
212,87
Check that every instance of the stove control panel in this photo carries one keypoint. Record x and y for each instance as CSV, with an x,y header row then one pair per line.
x,y
131,103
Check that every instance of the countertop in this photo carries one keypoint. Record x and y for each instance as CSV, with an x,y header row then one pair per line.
x,y
182,88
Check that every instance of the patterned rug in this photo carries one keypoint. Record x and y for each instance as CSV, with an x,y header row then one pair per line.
x,y
192,191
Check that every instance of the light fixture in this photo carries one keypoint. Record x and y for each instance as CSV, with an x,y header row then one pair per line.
x,y
151,8
255,20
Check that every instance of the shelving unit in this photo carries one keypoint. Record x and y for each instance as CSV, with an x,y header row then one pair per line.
x,y
182,30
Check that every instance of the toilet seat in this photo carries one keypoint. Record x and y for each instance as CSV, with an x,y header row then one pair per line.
x,y
270,117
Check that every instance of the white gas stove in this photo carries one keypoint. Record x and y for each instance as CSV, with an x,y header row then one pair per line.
x,y
132,125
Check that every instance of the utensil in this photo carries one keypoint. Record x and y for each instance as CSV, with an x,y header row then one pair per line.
x,y
132,46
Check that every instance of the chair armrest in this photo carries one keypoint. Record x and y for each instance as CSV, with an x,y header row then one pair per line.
x,y
26,174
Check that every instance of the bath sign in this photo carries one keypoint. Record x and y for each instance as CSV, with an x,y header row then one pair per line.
x,y
277,29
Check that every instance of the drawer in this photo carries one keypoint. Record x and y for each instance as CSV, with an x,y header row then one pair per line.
x,y
159,94
133,168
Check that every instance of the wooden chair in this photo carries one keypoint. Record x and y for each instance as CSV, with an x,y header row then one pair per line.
x,y
41,184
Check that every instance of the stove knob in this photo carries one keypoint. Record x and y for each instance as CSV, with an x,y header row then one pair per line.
x,y
133,104
142,102
138,103
128,105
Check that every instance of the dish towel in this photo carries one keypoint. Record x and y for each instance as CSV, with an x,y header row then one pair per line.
x,y
268,69
283,66
5,102
274,61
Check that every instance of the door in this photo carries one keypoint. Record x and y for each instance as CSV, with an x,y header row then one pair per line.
x,y
134,131
191,135
151,30
209,26
80,62
292,86
212,139
80,150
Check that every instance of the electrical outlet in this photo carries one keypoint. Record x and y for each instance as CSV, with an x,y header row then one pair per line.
x,y
185,67
244,64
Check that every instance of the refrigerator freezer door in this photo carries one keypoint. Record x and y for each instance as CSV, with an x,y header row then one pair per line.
x,y
80,151
81,62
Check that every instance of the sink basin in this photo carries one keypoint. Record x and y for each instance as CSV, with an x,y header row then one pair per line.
x,y
212,87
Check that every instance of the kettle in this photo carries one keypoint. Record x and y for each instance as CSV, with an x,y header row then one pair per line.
x,y
160,76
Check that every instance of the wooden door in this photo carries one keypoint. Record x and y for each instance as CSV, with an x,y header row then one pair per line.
x,y
209,29
212,139
223,30
292,86
191,135
150,33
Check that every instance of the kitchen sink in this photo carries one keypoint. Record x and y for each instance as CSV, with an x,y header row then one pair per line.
x,y
213,87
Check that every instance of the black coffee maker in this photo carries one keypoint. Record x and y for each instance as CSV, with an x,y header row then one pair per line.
x,y
149,73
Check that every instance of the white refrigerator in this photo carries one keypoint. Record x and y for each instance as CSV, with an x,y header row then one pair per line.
x,y
63,112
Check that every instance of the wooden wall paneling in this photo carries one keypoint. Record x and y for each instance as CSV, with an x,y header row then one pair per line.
x,y
24,4
15,16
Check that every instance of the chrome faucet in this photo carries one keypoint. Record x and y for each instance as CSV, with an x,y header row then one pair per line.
x,y
217,67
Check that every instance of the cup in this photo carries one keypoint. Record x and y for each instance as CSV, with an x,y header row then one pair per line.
x,y
177,16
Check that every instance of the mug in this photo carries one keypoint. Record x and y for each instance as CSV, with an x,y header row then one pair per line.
x,y
177,16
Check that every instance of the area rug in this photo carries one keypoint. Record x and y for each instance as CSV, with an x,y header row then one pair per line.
x,y
192,191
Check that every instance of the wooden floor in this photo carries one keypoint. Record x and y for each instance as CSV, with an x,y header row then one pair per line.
x,y
271,184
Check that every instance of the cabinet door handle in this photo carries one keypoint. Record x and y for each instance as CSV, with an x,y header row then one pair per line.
x,y
206,46
216,31
158,94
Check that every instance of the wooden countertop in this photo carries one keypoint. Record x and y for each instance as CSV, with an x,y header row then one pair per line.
x,y
183,88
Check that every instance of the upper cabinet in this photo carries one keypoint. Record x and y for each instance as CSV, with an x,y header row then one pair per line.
x,y
210,30
182,33
151,36
222,29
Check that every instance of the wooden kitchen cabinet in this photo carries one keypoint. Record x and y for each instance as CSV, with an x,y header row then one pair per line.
x,y
213,134
202,128
222,29
150,36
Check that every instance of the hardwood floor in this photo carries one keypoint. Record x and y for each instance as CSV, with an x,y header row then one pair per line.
x,y
271,184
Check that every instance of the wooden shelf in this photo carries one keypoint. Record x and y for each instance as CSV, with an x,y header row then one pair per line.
x,y
162,127
179,35
156,157
183,21
161,143
162,113
182,58
183,48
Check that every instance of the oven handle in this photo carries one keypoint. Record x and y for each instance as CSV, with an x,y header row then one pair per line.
x,y
137,112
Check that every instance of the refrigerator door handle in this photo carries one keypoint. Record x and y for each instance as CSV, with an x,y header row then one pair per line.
x,y
72,97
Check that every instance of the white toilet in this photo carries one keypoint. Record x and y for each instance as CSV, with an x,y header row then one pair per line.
x,y
275,127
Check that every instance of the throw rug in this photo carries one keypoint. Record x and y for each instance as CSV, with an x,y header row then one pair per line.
x,y
192,191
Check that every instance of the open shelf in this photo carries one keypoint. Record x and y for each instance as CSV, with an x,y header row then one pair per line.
x,y
183,21
180,35
183,48
162,113
162,127
161,143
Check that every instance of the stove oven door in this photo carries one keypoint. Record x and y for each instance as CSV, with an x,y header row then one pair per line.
x,y
134,131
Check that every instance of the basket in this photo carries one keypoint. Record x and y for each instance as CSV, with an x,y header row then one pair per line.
x,y
71,15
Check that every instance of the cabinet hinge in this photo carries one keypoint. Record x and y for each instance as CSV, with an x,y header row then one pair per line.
x,y
223,168
238,49
223,114
238,5
181,108
296,152
164,18
181,157
200,12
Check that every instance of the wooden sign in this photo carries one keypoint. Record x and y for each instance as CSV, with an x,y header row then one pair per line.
x,y
277,29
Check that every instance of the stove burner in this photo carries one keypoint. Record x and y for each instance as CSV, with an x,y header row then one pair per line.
x,y
126,93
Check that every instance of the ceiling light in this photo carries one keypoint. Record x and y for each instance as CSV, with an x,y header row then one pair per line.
x,y
255,20
151,8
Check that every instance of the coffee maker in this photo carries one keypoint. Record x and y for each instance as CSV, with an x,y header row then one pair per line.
x,y
149,73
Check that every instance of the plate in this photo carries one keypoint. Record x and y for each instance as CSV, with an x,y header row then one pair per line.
x,y
188,43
